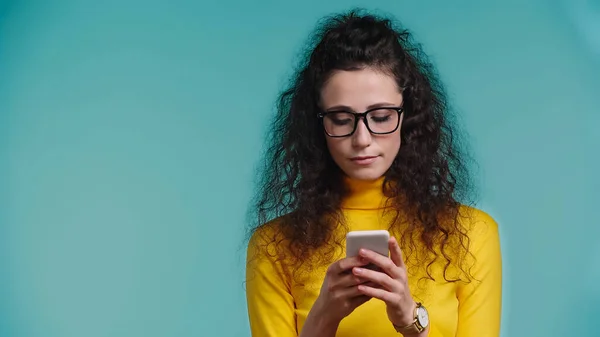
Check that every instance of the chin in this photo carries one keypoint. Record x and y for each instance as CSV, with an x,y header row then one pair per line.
x,y
367,175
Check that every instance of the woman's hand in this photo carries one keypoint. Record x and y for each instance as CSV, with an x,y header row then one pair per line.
x,y
392,283
339,296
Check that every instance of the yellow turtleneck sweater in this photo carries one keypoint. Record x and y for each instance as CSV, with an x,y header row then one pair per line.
x,y
278,303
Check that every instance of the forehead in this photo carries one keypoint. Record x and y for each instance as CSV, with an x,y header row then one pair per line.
x,y
359,89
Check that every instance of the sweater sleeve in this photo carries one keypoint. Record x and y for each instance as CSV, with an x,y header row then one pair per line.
x,y
480,300
270,303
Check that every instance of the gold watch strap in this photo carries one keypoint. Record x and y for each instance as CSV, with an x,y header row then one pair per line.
x,y
409,329
413,327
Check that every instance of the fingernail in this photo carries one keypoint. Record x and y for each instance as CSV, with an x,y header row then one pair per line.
x,y
358,270
363,252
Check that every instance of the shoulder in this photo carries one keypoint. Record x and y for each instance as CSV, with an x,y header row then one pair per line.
x,y
483,236
476,222
267,254
266,239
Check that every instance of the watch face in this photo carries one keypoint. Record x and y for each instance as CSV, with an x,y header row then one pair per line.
x,y
423,317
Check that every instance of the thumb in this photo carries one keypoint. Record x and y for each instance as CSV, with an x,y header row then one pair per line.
x,y
396,253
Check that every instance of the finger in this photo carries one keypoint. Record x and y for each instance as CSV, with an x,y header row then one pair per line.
x,y
383,262
345,265
382,279
372,284
396,253
349,292
349,280
382,294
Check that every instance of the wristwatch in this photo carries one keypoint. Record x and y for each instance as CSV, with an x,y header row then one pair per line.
x,y
418,325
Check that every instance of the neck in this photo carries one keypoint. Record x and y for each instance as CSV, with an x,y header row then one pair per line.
x,y
364,194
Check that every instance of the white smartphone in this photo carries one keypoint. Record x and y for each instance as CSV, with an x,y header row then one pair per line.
x,y
375,240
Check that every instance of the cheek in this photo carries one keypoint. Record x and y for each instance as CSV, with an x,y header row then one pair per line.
x,y
334,146
398,144
391,145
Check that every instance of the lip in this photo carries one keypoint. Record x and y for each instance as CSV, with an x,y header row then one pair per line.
x,y
364,160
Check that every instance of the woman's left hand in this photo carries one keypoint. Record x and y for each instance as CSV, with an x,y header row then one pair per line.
x,y
393,282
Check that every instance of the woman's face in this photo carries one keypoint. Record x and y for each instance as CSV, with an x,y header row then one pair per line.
x,y
362,155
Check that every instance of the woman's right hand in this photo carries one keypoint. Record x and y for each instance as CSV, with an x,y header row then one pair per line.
x,y
339,296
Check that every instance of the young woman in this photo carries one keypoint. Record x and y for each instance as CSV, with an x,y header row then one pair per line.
x,y
363,140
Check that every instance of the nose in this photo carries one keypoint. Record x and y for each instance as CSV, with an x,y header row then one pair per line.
x,y
362,136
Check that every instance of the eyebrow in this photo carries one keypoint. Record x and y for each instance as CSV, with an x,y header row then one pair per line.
x,y
372,106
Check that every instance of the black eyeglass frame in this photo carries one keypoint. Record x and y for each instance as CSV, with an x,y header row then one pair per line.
x,y
357,116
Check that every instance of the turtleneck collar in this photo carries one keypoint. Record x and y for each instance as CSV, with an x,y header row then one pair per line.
x,y
364,194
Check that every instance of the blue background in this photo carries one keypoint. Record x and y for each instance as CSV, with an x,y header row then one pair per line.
x,y
129,133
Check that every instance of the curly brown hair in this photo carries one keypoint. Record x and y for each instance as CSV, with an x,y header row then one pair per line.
x,y
303,188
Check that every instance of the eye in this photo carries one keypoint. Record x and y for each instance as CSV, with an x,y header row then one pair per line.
x,y
381,116
341,118
380,119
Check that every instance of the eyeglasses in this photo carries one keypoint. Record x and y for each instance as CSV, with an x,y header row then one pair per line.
x,y
379,121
